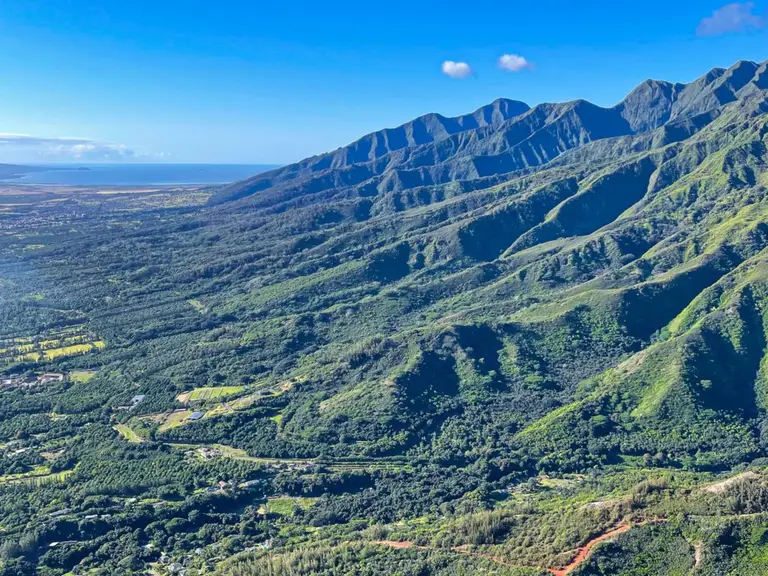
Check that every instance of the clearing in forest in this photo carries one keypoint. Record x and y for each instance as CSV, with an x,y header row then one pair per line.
x,y
209,393
174,419
285,505
127,433
49,349
81,375
73,350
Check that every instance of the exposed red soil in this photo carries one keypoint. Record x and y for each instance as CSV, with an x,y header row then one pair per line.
x,y
586,550
581,553
459,549
396,544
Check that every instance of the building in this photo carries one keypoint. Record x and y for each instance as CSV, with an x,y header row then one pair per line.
x,y
208,453
196,415
136,400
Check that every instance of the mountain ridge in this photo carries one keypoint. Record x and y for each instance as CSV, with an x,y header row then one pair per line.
x,y
477,354
532,137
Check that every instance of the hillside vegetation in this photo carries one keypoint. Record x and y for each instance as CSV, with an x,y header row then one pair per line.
x,y
462,345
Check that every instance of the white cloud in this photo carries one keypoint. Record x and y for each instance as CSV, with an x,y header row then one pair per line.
x,y
94,152
456,69
514,63
27,140
732,19
23,147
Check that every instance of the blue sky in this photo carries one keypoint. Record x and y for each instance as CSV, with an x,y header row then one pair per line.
x,y
258,82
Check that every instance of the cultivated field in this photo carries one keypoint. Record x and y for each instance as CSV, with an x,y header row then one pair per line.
x,y
209,393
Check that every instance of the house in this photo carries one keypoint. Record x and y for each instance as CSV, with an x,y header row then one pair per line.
x,y
16,380
207,453
196,415
135,401
53,377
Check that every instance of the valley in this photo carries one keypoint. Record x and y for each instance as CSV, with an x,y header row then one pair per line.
x,y
522,341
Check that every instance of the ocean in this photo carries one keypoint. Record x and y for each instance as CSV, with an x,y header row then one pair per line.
x,y
139,174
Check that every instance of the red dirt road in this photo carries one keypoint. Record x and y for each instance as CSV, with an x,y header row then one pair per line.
x,y
586,550
582,554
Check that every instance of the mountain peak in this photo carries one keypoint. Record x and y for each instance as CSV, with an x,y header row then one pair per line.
x,y
499,110
504,136
650,104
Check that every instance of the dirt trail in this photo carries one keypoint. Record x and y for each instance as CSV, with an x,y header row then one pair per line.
x,y
586,550
398,544
720,487
460,549
582,553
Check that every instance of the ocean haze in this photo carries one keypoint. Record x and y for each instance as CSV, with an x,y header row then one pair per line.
x,y
140,174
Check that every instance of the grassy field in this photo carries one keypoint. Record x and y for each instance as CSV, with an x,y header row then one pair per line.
x,y
38,476
72,350
49,345
209,393
197,305
286,506
81,375
55,353
46,478
174,419
36,471
127,433
277,419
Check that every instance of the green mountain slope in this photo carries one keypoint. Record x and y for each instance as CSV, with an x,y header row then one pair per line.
x,y
468,334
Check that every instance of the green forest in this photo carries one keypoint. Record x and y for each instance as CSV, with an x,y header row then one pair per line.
x,y
528,346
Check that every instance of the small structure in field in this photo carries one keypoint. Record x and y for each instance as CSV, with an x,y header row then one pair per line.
x,y
196,415
135,401
208,453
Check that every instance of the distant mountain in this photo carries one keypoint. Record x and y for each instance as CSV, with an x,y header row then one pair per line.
x,y
519,342
500,138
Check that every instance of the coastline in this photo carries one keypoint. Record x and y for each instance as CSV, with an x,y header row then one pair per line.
x,y
131,175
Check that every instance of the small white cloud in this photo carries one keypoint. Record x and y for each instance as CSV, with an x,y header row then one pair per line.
x,y
51,149
732,19
514,63
457,69
95,152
